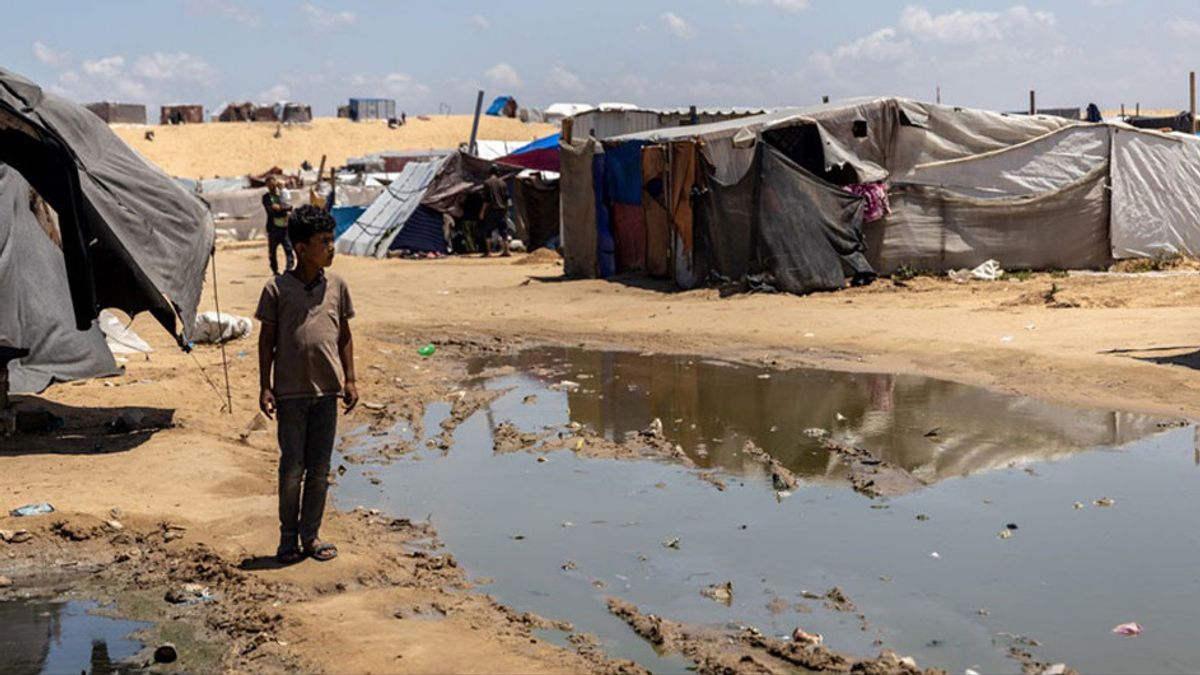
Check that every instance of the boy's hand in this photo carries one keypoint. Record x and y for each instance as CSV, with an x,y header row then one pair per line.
x,y
350,396
266,403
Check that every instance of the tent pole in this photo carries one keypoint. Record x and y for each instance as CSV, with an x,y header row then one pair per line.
x,y
1032,102
1192,98
224,358
472,149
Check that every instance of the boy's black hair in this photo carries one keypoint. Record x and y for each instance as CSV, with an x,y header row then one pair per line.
x,y
307,221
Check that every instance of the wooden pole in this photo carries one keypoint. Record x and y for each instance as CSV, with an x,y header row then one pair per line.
x,y
939,95
473,147
568,128
824,99
1192,98
1122,110
1032,102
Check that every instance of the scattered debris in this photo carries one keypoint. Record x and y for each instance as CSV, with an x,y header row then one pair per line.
x,y
673,542
32,510
5,582
165,653
922,517
1105,502
1131,629
188,594
837,600
722,593
801,636
713,479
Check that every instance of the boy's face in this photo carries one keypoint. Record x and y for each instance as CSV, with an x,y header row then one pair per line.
x,y
317,252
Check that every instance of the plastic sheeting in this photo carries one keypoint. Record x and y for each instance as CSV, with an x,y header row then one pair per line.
x,y
936,229
1155,194
373,232
423,233
578,208
1044,164
132,238
537,209
658,221
810,232
34,314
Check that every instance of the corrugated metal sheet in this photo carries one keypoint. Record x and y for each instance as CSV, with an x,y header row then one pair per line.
x,y
374,231
372,109
605,124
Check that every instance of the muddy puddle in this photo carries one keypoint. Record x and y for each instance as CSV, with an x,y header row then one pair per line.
x,y
63,637
1024,524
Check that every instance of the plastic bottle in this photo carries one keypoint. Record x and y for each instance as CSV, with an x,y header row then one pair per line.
x,y
427,350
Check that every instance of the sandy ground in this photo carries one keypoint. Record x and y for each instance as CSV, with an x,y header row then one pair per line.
x,y
240,148
1126,342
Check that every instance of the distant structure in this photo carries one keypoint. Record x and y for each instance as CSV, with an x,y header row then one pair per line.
x,y
372,109
181,114
119,113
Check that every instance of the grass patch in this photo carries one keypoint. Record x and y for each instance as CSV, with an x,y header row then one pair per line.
x,y
1017,275
907,272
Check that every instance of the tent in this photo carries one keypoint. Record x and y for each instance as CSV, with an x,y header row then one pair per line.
x,y
503,106
131,238
540,155
375,230
947,187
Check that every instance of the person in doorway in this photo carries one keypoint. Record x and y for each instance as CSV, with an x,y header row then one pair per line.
x,y
277,227
306,363
495,212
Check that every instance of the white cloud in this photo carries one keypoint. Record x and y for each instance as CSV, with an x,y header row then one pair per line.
x,y
676,25
972,28
480,21
1184,28
324,19
180,66
225,9
1105,3
882,45
108,66
563,79
785,5
49,56
279,92
642,29
503,75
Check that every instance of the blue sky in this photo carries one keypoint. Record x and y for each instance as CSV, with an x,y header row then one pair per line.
x,y
650,52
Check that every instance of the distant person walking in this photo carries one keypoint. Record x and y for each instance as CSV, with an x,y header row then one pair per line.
x,y
306,363
277,231
495,212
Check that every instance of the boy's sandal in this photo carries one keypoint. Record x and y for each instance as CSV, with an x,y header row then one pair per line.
x,y
289,556
321,551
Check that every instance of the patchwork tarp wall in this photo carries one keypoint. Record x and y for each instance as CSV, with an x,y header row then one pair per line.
x,y
34,314
373,232
536,202
132,238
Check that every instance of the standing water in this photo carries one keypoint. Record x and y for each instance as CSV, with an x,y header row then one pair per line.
x,y
1028,519
46,637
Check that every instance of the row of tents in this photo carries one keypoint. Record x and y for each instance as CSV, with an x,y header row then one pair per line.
x,y
803,199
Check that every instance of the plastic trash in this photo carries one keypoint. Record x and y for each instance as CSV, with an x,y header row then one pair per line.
x,y
803,637
1131,629
427,351
213,328
988,271
32,510
120,339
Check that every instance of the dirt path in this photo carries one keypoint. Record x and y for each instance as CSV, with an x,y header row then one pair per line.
x,y
366,612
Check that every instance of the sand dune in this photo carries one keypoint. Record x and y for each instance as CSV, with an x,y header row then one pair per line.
x,y
238,148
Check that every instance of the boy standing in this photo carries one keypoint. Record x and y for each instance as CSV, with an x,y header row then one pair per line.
x,y
306,337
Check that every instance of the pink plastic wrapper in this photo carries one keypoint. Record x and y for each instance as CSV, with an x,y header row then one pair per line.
x,y
1128,629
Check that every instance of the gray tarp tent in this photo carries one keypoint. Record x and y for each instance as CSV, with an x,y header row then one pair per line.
x,y
132,239
373,232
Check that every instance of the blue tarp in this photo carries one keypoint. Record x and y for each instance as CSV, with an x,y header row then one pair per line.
x,y
606,245
422,233
623,172
547,143
345,216
497,106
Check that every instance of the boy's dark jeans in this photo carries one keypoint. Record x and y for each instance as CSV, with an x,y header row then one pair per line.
x,y
276,237
307,427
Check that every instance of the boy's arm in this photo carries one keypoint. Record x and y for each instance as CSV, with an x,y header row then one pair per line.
x,y
266,359
346,351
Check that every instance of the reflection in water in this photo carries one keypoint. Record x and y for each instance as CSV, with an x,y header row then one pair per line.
x,y
43,637
933,428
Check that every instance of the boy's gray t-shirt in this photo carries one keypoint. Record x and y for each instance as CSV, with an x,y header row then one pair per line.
x,y
308,320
